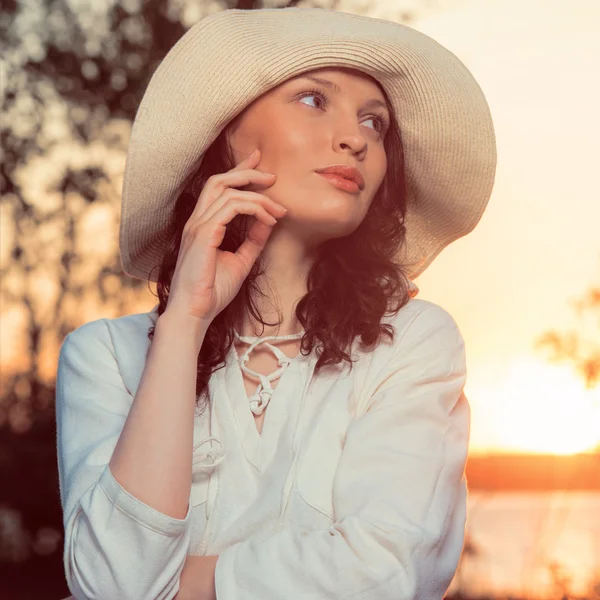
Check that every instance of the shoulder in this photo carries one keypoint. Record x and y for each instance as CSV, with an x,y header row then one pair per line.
x,y
421,330
110,344
424,323
427,348
127,329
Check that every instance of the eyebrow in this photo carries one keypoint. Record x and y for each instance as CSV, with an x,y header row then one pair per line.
x,y
336,88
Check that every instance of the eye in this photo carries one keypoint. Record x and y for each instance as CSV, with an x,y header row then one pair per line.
x,y
308,93
380,119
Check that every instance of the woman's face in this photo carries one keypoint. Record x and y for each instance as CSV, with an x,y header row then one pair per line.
x,y
298,131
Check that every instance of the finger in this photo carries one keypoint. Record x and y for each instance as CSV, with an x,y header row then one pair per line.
x,y
226,213
251,159
232,179
241,206
270,205
241,178
252,246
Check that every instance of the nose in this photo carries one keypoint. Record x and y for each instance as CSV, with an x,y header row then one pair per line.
x,y
353,140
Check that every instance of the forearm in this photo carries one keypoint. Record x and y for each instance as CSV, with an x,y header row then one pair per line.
x,y
153,456
197,580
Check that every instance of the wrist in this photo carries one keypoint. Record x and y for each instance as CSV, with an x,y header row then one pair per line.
x,y
184,326
197,580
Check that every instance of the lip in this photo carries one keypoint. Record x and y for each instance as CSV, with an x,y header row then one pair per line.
x,y
342,183
346,172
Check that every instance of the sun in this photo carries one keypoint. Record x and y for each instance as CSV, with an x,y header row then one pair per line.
x,y
539,408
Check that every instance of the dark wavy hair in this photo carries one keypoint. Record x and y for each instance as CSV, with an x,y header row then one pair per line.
x,y
350,283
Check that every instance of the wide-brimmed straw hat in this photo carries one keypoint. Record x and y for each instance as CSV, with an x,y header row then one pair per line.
x,y
230,58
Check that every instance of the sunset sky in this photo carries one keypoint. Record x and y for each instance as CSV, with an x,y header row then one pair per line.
x,y
537,247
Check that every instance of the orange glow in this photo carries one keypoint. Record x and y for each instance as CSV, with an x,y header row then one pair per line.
x,y
540,408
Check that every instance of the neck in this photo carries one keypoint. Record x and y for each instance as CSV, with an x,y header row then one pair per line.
x,y
286,263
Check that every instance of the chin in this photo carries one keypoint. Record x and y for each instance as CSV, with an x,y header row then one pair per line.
x,y
335,228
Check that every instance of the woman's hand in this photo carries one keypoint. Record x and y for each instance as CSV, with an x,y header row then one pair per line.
x,y
197,581
207,279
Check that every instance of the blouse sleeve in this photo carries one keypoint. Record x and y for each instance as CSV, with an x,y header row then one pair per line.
x,y
399,491
115,545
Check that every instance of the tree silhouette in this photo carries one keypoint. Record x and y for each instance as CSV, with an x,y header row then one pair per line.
x,y
71,83
579,348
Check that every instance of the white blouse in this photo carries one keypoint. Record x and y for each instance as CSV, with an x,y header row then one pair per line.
x,y
354,489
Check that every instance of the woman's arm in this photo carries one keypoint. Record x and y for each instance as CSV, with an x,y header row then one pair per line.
x,y
153,457
197,580
123,534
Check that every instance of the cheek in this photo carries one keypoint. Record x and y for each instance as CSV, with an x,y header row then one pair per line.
x,y
382,165
288,154
377,173
380,173
297,147
288,136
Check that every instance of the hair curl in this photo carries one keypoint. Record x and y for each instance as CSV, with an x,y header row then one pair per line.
x,y
349,285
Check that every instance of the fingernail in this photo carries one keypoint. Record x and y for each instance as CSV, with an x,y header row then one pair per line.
x,y
255,152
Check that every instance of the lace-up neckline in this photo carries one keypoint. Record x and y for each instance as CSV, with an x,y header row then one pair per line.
x,y
262,396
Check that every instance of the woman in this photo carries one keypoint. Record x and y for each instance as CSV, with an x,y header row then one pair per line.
x,y
327,456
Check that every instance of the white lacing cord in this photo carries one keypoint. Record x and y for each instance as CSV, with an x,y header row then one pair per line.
x,y
206,462
211,459
261,397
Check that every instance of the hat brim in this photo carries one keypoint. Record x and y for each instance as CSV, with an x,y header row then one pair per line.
x,y
445,121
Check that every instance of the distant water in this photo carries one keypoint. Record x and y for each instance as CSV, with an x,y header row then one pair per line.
x,y
520,539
